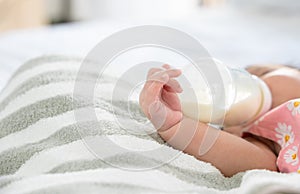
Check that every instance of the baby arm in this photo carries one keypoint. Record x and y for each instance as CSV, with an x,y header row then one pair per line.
x,y
229,153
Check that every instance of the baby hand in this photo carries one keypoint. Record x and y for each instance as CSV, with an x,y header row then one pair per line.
x,y
159,100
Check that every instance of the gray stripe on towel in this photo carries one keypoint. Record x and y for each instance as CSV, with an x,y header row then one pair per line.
x,y
134,160
12,159
37,81
42,80
29,115
40,60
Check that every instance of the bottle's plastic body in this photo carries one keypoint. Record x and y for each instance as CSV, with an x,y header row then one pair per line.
x,y
244,97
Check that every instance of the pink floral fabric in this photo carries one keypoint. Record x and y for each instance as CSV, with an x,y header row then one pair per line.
x,y
282,125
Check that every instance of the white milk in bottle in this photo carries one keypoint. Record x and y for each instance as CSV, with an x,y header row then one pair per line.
x,y
244,97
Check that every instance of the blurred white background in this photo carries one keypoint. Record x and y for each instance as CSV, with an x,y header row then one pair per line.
x,y
237,32
15,14
160,9
120,9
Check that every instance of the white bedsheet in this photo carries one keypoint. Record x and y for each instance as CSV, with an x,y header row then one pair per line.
x,y
230,36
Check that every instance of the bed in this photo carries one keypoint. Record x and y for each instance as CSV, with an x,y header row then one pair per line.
x,y
40,149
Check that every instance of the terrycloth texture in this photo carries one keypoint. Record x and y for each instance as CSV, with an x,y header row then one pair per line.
x,y
41,149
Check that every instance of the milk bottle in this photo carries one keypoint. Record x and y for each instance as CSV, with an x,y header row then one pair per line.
x,y
244,96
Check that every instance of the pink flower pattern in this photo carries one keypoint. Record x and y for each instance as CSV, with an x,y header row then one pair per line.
x,y
282,125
